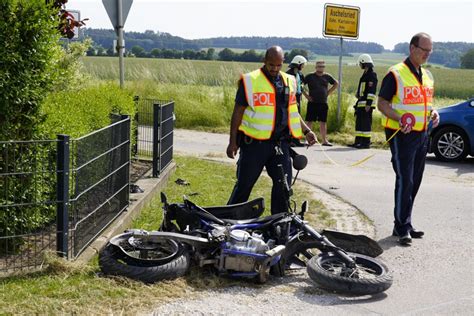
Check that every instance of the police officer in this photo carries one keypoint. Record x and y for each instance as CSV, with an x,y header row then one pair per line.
x,y
365,98
407,91
264,119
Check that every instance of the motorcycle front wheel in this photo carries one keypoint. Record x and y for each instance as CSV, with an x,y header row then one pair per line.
x,y
369,276
146,262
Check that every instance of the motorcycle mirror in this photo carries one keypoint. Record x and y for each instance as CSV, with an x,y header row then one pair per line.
x,y
164,200
304,209
300,162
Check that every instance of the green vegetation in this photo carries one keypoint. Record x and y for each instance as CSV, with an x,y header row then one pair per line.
x,y
449,83
79,112
204,91
68,288
29,57
445,53
467,60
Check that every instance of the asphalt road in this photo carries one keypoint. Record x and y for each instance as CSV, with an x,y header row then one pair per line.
x,y
435,274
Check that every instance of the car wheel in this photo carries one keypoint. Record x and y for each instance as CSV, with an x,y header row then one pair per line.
x,y
450,144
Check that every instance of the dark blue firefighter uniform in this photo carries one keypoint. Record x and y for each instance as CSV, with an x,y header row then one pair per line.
x,y
408,160
256,154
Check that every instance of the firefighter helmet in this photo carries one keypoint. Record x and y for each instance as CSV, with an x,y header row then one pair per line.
x,y
298,60
365,59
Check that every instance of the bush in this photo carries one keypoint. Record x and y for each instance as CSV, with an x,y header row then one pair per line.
x,y
29,57
82,111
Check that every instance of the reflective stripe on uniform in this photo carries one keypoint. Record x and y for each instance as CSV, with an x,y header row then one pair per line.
x,y
411,107
363,134
259,127
248,89
258,115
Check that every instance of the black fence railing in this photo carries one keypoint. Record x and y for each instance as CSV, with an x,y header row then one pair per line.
x,y
155,122
100,171
58,195
28,200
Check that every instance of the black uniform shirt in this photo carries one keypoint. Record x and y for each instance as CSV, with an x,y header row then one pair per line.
x,y
318,86
389,84
281,124
367,85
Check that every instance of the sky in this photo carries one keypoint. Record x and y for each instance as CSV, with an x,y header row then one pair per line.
x,y
386,22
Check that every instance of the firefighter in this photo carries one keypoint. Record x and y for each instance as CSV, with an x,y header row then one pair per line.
x,y
365,100
295,69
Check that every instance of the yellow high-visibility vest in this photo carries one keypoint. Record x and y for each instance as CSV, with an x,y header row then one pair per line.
x,y
259,117
411,96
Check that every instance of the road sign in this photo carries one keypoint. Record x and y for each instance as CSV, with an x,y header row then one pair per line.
x,y
111,6
341,21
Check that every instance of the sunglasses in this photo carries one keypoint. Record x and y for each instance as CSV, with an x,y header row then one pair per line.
x,y
429,51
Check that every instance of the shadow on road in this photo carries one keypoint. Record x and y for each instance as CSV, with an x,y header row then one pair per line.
x,y
331,299
462,167
337,149
388,242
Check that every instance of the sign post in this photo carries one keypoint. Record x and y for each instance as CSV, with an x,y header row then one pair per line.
x,y
341,21
118,12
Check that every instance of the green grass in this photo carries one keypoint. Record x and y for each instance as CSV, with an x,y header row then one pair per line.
x,y
450,83
216,188
204,91
69,288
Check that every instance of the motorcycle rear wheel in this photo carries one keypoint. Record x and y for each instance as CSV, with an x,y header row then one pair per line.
x,y
145,265
370,276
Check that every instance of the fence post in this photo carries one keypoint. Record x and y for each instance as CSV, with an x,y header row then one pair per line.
x,y
136,99
62,196
156,139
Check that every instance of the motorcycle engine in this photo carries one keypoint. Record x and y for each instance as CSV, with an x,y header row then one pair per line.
x,y
241,251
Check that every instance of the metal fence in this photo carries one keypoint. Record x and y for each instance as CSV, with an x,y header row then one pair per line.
x,y
28,200
100,188
154,136
58,195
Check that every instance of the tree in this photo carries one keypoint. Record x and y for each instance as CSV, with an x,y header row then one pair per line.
x,y
91,51
251,56
111,51
226,54
189,54
467,60
210,53
156,53
138,51
294,52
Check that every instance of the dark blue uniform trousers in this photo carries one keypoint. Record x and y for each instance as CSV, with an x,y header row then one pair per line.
x,y
408,161
255,156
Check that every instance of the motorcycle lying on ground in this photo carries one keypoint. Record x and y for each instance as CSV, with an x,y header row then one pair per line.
x,y
237,242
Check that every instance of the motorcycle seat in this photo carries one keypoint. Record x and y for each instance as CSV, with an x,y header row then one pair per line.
x,y
242,211
260,220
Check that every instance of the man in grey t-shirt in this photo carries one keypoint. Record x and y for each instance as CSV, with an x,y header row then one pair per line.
x,y
319,90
